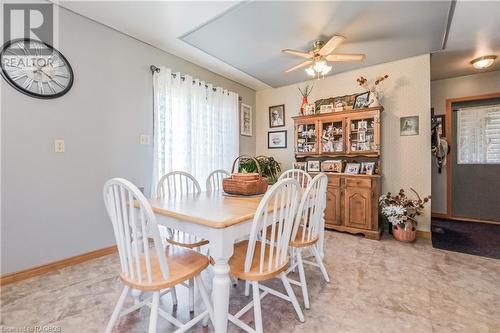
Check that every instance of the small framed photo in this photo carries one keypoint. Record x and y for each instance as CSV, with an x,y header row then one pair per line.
x,y
313,166
362,100
277,116
331,166
362,125
246,122
299,165
408,126
276,139
309,109
326,108
367,168
361,136
352,168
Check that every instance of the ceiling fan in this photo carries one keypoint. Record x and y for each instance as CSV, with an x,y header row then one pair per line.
x,y
320,54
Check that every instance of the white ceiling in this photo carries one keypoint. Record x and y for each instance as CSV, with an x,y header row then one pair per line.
x,y
161,23
384,30
250,36
474,32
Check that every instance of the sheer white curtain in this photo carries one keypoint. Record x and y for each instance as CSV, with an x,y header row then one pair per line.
x,y
196,128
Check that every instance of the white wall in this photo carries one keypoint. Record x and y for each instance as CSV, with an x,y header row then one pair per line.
x,y
406,160
441,90
52,205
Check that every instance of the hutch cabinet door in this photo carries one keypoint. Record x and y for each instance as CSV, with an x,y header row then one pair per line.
x,y
332,211
358,204
363,134
306,138
332,140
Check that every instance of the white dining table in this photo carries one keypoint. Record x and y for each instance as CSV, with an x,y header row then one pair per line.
x,y
220,219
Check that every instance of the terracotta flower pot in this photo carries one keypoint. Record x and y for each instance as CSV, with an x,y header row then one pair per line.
x,y
403,235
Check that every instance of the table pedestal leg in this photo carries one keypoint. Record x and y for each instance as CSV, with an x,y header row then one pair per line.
x,y
220,295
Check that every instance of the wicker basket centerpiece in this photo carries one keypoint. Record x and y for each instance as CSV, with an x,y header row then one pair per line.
x,y
245,183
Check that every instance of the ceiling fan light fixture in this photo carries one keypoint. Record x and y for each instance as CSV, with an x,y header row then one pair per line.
x,y
326,70
483,62
319,66
310,71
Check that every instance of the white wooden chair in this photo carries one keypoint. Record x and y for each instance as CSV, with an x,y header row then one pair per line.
x,y
304,179
153,269
299,175
308,231
170,185
177,183
214,180
257,260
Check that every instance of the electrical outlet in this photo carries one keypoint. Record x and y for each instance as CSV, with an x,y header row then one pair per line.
x,y
59,146
144,139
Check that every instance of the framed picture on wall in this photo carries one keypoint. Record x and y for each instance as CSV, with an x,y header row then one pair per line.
x,y
276,139
246,122
408,126
277,116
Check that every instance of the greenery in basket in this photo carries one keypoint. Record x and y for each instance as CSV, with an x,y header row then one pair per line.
x,y
401,210
269,166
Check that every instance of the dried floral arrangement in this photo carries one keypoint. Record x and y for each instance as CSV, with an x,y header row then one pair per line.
x,y
401,210
373,87
306,91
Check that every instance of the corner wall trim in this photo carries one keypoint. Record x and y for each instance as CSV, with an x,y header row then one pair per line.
x,y
55,265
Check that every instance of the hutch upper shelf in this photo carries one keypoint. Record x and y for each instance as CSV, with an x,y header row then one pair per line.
x,y
346,133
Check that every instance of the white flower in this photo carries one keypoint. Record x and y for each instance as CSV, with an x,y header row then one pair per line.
x,y
395,213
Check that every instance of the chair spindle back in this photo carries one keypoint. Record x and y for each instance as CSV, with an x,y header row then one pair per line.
x,y
177,183
134,223
299,175
311,209
276,211
214,179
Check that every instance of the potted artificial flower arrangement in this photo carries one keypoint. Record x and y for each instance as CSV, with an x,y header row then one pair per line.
x,y
401,211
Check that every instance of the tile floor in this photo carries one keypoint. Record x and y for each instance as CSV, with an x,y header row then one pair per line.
x,y
377,286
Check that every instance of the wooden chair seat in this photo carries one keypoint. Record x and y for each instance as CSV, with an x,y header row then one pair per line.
x,y
183,264
237,263
297,242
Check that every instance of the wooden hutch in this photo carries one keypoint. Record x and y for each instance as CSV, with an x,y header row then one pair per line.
x,y
352,199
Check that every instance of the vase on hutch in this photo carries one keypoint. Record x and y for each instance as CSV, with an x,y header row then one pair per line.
x,y
303,106
374,102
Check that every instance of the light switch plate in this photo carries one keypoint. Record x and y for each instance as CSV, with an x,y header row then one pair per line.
x,y
59,146
144,139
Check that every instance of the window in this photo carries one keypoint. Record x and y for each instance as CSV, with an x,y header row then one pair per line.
x,y
478,135
196,126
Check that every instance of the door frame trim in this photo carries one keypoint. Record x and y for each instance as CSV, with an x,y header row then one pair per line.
x,y
449,135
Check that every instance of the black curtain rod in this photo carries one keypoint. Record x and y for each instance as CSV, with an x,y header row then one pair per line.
x,y
155,69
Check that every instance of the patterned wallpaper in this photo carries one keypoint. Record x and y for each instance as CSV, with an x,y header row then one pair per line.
x,y
406,160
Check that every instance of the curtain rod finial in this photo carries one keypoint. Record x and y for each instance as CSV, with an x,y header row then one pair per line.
x,y
153,69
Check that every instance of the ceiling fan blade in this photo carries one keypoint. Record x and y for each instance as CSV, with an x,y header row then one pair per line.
x,y
298,53
303,64
331,45
346,57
